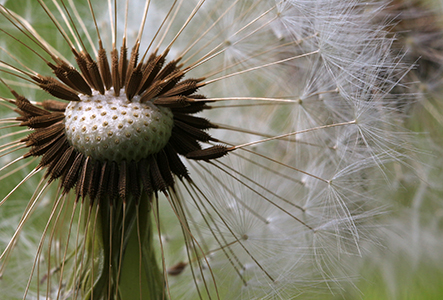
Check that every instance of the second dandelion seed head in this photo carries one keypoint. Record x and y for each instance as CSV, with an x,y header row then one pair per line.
x,y
109,127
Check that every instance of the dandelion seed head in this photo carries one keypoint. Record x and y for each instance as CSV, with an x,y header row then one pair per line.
x,y
247,149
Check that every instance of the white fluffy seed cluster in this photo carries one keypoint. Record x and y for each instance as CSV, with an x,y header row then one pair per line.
x,y
106,127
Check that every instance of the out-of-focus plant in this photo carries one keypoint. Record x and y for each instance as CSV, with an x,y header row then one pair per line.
x,y
409,263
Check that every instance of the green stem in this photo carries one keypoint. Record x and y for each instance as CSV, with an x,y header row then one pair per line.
x,y
131,228
141,279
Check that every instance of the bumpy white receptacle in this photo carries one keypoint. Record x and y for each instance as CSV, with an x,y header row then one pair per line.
x,y
106,127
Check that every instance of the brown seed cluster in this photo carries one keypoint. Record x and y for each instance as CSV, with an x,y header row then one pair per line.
x,y
105,177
